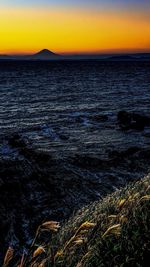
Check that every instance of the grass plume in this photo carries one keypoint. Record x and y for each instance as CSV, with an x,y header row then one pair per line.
x,y
111,232
8,256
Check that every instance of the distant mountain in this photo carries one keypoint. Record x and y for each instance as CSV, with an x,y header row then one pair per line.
x,y
130,57
44,54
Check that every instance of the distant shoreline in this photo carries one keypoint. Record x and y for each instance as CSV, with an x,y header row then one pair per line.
x,y
47,55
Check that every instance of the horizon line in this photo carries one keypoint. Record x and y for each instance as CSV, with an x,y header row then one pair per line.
x,y
77,53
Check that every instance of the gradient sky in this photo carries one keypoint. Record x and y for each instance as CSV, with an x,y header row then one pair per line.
x,y
74,26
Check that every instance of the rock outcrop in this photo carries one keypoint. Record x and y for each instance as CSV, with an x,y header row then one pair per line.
x,y
134,121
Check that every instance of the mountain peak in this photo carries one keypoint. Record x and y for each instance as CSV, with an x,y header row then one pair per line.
x,y
44,54
45,51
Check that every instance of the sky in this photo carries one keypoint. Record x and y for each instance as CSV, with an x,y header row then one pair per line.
x,y
74,26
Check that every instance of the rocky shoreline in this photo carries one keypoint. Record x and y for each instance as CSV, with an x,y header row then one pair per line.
x,y
35,186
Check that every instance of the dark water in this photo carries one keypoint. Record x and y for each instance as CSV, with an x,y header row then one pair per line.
x,y
54,104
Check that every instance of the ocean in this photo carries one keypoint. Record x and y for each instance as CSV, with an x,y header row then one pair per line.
x,y
55,105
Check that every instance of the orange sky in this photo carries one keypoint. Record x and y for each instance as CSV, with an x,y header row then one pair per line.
x,y
70,30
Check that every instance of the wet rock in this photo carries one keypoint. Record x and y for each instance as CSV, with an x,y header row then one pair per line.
x,y
16,141
132,121
141,119
124,117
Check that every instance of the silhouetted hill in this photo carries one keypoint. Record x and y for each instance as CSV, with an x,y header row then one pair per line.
x,y
130,57
44,54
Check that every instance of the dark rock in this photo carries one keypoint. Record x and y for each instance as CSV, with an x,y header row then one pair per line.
x,y
132,121
16,141
141,119
124,117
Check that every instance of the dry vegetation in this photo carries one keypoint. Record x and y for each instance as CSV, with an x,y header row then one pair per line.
x,y
111,232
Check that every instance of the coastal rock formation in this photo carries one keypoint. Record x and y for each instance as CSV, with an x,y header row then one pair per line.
x,y
134,121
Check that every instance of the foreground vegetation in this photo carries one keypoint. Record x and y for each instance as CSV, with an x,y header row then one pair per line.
x,y
112,232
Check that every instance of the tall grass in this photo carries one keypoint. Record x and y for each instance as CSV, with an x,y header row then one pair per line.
x,y
111,232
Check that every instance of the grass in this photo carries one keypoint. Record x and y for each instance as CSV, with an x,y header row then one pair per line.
x,y
112,232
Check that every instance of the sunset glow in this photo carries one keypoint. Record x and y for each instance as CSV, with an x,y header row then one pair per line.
x,y
73,29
